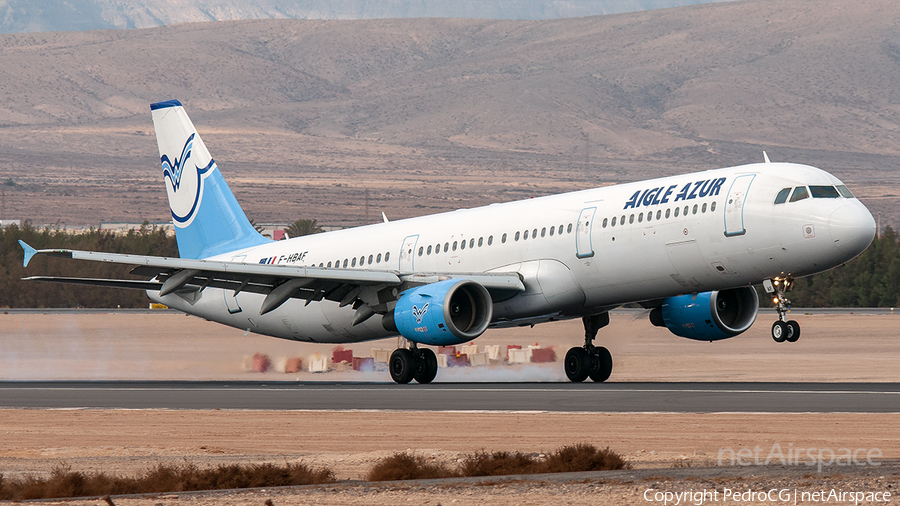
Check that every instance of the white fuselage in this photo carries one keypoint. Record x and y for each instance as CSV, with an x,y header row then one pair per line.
x,y
727,232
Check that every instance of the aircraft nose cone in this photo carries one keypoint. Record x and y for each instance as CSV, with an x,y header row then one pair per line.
x,y
852,228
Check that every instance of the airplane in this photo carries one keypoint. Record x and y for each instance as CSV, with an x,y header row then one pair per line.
x,y
688,248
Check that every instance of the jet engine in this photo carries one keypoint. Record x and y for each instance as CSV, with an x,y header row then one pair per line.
x,y
708,316
442,314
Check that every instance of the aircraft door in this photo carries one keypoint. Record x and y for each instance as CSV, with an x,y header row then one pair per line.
x,y
734,206
583,246
407,253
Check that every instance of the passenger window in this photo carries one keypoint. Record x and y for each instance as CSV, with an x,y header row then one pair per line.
x,y
490,240
525,235
437,249
544,232
569,229
446,247
703,209
480,241
605,222
378,259
685,210
362,260
695,208
422,250
559,231
353,262
345,260
658,214
455,243
622,220
387,256
712,207
631,219
517,236
782,196
800,193
462,244
640,217
677,210
471,243
553,230
371,258
614,221
534,234
844,191
429,250
823,192
329,264
667,213
503,238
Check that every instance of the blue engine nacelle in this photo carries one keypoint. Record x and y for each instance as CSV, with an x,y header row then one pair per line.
x,y
708,316
442,314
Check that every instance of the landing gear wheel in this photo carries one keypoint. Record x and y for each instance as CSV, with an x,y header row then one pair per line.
x,y
403,365
426,367
779,331
578,365
601,365
793,331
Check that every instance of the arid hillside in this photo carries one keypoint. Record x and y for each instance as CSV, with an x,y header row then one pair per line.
x,y
318,118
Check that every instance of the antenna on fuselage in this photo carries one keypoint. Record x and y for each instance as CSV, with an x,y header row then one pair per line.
x,y
766,157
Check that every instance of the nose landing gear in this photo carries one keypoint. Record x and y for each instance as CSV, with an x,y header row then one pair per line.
x,y
783,329
590,361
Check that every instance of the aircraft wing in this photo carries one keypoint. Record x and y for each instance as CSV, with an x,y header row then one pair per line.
x,y
278,282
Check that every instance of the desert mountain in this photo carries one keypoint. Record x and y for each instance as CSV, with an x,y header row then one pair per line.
x,y
76,15
327,119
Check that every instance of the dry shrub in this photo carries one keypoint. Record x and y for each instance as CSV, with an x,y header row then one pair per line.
x,y
403,466
498,464
63,482
584,457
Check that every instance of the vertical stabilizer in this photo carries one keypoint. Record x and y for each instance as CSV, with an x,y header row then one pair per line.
x,y
208,219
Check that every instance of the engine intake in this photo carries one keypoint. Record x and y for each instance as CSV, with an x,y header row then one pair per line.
x,y
443,313
708,316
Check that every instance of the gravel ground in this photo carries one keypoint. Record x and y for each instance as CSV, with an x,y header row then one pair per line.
x,y
769,485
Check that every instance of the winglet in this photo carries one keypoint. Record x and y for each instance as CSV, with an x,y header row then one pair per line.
x,y
766,157
29,252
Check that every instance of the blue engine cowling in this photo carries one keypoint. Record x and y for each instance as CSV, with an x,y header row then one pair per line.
x,y
442,314
708,316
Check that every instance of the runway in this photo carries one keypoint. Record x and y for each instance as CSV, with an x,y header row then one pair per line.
x,y
498,397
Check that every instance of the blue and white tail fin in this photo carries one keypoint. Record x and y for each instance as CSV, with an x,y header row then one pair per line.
x,y
208,219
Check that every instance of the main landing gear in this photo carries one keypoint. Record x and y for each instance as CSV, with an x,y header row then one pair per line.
x,y
783,329
588,360
413,364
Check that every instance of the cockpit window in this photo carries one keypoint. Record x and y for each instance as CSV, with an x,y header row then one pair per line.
x,y
844,192
823,192
782,196
800,193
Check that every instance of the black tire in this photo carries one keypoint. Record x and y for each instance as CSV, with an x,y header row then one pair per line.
x,y
426,367
779,331
578,365
403,365
793,331
601,365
